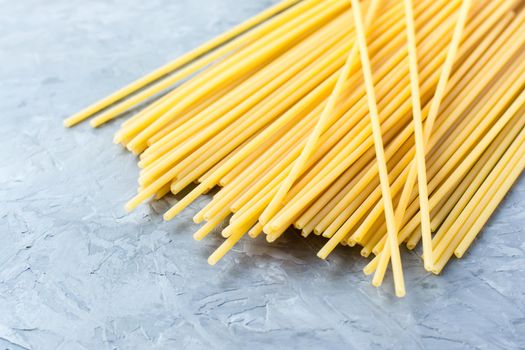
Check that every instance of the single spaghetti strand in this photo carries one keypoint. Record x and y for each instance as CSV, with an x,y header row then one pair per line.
x,y
380,155
418,133
256,230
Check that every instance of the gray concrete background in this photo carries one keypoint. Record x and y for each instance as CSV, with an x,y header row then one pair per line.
x,y
76,272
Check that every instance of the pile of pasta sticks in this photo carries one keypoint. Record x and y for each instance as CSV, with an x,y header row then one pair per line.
x,y
372,123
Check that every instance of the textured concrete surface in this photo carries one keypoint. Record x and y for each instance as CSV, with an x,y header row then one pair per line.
x,y
76,272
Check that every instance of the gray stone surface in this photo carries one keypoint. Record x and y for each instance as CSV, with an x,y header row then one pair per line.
x,y
76,272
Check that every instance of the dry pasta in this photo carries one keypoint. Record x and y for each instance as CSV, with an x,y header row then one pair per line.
x,y
319,116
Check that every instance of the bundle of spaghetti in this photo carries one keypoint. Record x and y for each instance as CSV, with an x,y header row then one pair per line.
x,y
323,114
482,98
357,111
